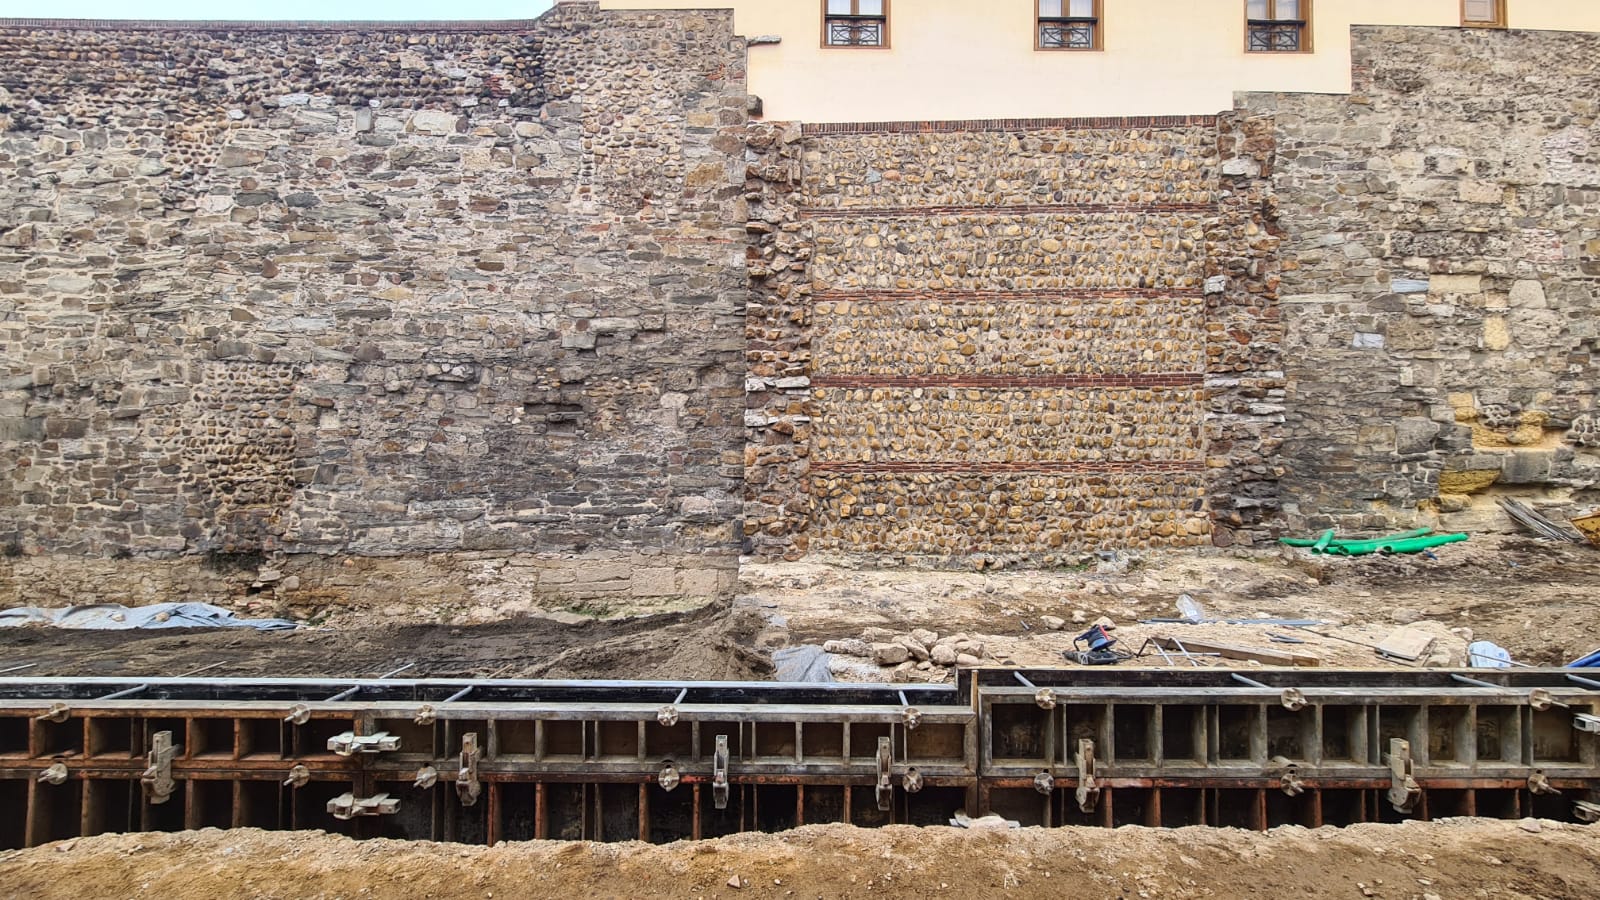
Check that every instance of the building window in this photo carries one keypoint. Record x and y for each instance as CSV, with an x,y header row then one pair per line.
x,y
1483,13
855,23
1277,26
1069,25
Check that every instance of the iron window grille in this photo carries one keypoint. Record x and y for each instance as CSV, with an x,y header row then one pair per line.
x,y
855,23
1277,26
1069,24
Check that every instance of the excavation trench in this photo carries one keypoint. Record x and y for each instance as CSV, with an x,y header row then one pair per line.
x,y
484,761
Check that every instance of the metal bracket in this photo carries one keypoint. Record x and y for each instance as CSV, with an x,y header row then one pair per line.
x,y
1403,788
427,777
719,774
349,806
668,777
299,777
57,713
1088,792
1539,783
56,774
1586,723
912,780
1292,699
1541,700
1289,782
299,714
1586,811
885,790
1044,783
912,717
1045,698
350,743
468,788
157,779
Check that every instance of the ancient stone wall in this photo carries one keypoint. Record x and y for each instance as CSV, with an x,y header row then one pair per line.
x,y
982,341
1441,277
280,304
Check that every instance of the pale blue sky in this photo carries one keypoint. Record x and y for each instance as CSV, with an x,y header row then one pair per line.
x,y
276,10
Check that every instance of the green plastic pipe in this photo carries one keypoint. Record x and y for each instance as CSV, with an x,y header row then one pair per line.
x,y
1326,538
1409,545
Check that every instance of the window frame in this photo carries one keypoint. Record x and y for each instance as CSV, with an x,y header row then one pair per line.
x,y
1099,19
828,17
1499,21
1306,23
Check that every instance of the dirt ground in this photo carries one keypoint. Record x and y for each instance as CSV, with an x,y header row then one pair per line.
x,y
1453,858
1539,599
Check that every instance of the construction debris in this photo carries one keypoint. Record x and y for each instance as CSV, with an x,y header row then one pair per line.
x,y
1265,655
1406,645
1524,515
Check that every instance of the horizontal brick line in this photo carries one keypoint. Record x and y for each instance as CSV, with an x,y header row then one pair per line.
x,y
354,26
1110,467
1095,123
1151,380
1020,294
1045,209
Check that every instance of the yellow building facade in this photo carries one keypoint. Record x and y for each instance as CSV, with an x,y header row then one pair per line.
x,y
881,60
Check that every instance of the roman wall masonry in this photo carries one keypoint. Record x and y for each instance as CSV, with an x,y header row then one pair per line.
x,y
315,314
530,313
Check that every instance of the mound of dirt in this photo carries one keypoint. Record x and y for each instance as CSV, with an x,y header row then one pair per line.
x,y
1424,861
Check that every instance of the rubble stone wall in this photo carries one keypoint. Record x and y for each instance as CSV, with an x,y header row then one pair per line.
x,y
1440,277
462,302
1004,337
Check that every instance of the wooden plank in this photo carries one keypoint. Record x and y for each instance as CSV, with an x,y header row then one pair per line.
x,y
1270,656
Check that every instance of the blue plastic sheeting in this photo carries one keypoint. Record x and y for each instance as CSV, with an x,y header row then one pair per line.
x,y
115,617
1592,661
1487,655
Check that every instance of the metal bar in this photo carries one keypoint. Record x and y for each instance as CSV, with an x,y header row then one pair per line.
x,y
128,692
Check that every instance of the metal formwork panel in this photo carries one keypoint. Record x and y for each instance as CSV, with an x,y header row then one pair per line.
x,y
483,761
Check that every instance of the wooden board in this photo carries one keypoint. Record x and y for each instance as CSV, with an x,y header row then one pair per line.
x,y
1269,655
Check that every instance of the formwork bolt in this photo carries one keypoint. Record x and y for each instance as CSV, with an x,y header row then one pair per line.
x,y
299,777
912,780
1046,698
425,715
1044,783
427,777
667,715
299,714
57,713
912,717
668,777
56,774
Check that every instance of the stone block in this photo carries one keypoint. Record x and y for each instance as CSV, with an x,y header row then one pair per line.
x,y
655,582
434,121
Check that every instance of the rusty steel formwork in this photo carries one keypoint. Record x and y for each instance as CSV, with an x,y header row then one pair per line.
x,y
486,761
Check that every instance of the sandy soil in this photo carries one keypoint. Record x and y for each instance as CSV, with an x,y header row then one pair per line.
x,y
1433,861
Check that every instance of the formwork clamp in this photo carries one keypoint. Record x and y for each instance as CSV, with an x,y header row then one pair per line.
x,y
348,806
885,788
719,774
468,788
157,777
1586,723
1088,793
349,743
1403,788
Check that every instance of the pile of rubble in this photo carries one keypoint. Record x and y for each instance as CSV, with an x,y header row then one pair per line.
x,y
918,655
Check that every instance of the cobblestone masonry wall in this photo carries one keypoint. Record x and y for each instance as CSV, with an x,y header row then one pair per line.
x,y
454,302
1441,277
998,341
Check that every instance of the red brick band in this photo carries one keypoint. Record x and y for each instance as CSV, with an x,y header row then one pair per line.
x,y
1047,209
1147,380
1083,123
1023,294
1097,467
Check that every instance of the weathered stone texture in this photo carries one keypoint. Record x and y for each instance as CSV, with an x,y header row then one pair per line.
x,y
1441,230
1005,341
982,251
1131,167
402,291
1049,334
